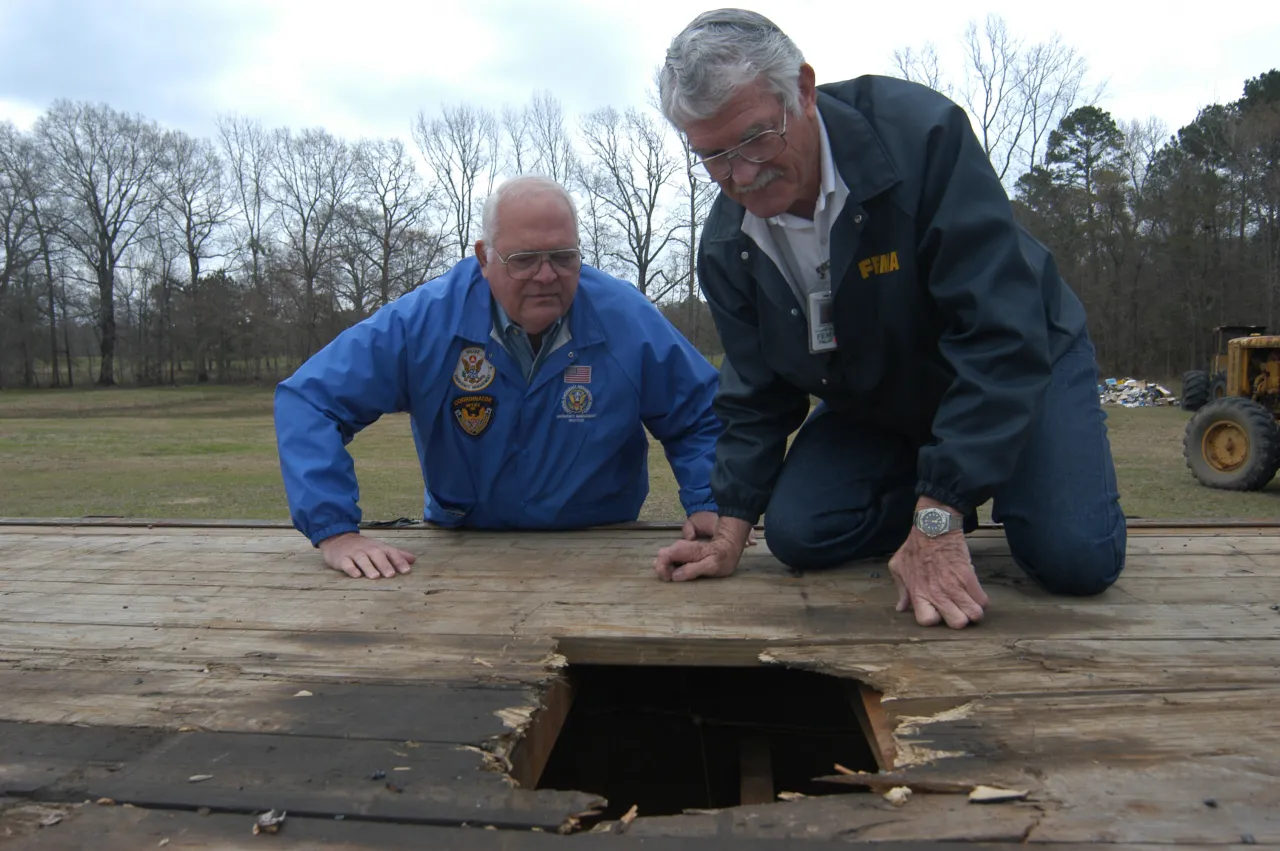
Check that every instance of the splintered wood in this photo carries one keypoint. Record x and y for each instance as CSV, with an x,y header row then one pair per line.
x,y
171,670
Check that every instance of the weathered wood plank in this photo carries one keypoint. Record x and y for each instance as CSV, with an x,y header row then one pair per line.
x,y
1166,686
419,783
223,700
121,828
33,756
983,668
284,655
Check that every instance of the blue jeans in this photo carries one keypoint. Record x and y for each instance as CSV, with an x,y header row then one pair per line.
x,y
847,491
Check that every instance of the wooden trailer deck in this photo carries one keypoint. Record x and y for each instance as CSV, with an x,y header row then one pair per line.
x,y
162,686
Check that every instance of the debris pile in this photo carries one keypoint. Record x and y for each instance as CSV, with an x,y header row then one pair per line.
x,y
1132,393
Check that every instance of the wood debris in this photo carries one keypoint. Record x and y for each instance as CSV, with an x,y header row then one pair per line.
x,y
269,822
199,778
517,718
898,795
995,795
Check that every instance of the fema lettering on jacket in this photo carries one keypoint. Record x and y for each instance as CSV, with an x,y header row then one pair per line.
x,y
878,264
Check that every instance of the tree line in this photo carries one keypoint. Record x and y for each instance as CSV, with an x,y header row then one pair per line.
x,y
134,253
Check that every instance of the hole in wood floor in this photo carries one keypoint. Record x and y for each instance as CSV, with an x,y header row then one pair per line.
x,y
672,738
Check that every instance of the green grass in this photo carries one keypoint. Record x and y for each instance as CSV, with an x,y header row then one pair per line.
x,y
209,452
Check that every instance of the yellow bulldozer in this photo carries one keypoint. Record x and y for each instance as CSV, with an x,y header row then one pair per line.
x,y
1233,439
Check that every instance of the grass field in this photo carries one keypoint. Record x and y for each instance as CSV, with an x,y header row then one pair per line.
x,y
210,453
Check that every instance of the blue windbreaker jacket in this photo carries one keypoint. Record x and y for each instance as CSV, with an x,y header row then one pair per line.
x,y
567,449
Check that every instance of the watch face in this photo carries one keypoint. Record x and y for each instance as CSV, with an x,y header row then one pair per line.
x,y
933,522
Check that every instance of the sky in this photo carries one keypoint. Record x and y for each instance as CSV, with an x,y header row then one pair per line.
x,y
366,68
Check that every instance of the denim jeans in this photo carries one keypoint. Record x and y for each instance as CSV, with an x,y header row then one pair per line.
x,y
847,491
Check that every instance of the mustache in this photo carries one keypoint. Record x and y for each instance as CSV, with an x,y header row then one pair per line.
x,y
762,180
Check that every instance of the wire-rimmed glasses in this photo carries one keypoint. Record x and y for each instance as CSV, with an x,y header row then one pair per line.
x,y
760,148
523,265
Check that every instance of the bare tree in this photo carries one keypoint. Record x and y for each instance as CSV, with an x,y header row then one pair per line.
x,y
312,179
921,66
551,142
103,161
248,150
515,126
1015,92
462,148
1051,83
195,206
596,232
632,169
696,197
390,213
19,247
993,89
27,166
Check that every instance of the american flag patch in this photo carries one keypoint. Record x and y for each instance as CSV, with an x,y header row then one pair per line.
x,y
577,375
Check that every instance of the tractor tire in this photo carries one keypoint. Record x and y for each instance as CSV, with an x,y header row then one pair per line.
x,y
1233,444
1195,390
1218,386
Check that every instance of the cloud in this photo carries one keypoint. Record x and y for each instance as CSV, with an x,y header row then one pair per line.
x,y
146,57
366,69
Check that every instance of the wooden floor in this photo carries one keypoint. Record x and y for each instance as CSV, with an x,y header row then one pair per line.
x,y
162,686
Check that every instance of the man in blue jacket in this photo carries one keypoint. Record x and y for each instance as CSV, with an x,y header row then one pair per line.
x,y
863,251
529,380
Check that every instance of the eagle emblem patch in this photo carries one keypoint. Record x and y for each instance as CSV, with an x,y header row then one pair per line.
x,y
576,401
473,371
474,413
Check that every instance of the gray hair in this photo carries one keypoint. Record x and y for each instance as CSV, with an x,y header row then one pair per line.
x,y
718,53
521,187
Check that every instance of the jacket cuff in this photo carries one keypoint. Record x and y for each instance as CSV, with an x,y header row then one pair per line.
x,y
752,517
321,535
701,506
947,497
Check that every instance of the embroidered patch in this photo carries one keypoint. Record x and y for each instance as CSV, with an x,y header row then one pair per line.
x,y
473,371
577,375
576,401
474,413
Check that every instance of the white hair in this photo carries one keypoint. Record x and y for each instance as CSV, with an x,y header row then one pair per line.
x,y
717,54
521,187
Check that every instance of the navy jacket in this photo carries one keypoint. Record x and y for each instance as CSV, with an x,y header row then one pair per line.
x,y
948,314
566,449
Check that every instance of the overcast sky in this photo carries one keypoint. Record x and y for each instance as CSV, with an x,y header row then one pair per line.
x,y
365,68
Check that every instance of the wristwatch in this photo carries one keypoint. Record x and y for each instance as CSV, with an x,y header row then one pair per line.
x,y
937,521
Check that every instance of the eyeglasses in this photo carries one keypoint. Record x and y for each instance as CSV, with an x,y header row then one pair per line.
x,y
523,265
760,148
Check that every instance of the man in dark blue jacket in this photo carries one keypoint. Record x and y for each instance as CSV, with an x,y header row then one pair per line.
x,y
530,381
862,251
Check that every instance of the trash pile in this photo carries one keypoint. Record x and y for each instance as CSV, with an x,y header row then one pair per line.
x,y
1132,393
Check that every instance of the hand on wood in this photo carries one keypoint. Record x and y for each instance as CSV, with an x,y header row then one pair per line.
x,y
357,556
701,524
686,559
936,578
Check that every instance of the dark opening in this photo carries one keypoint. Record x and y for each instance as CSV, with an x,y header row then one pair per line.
x,y
668,739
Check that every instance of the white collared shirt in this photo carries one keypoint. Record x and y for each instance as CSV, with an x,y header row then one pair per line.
x,y
809,240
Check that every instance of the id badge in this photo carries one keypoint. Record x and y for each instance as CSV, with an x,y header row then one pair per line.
x,y
822,326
